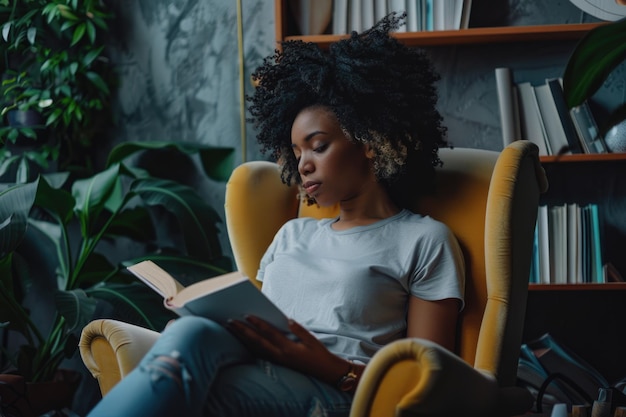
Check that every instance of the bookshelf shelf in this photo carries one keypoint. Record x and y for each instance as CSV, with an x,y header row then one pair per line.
x,y
609,286
583,158
489,35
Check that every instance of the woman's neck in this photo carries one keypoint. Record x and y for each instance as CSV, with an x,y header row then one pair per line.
x,y
365,210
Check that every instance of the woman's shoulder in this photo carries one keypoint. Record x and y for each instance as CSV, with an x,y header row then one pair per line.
x,y
425,224
300,224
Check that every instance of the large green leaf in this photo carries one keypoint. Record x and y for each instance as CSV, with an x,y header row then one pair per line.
x,y
135,223
134,303
93,195
76,307
593,59
15,205
217,162
55,201
196,218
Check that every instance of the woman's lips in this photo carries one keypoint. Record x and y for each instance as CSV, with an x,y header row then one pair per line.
x,y
311,186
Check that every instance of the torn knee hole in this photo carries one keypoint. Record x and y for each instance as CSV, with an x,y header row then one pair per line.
x,y
166,366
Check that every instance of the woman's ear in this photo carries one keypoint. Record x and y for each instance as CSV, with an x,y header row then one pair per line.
x,y
369,151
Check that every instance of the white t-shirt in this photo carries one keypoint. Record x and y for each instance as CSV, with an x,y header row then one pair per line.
x,y
351,287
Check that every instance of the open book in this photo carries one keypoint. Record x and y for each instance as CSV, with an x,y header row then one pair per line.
x,y
222,298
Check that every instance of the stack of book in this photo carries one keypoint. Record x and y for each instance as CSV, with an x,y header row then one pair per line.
x,y
422,15
539,113
568,245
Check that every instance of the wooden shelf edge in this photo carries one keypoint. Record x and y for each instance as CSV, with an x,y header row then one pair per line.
x,y
474,35
584,157
609,286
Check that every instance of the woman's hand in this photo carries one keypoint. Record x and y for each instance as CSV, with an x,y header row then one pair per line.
x,y
306,354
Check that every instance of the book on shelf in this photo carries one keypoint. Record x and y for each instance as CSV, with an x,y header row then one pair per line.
x,y
555,133
579,380
532,375
531,124
380,9
398,6
226,297
340,17
556,88
507,105
543,247
312,17
421,15
355,16
569,245
587,129
575,380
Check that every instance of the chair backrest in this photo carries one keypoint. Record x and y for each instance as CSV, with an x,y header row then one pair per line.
x,y
489,200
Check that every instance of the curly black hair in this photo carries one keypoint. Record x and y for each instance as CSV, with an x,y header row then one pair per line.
x,y
382,92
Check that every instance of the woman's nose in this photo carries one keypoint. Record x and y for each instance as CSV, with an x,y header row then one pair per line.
x,y
305,165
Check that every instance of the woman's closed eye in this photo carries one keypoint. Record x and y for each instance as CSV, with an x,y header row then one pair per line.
x,y
320,148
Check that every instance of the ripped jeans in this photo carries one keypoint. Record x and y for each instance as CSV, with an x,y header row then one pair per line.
x,y
197,368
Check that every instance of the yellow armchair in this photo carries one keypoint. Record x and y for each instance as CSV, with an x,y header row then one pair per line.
x,y
489,200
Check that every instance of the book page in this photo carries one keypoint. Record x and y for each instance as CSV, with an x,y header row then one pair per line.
x,y
207,286
156,278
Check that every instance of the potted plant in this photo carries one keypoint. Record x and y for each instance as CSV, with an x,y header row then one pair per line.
x,y
82,221
54,65
594,58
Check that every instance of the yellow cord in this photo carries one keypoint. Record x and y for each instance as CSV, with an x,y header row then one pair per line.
x,y
242,94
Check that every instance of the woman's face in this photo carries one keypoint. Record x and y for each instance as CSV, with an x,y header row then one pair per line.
x,y
332,168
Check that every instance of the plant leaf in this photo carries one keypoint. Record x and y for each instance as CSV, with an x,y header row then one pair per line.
x,y
56,201
593,59
15,205
217,162
76,307
92,195
196,218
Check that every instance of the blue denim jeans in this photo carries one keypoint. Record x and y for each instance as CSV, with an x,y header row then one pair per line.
x,y
197,368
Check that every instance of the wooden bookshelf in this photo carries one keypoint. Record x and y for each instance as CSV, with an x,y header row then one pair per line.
x,y
285,31
492,35
609,286
582,157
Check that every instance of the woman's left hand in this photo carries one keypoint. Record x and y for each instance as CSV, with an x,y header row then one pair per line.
x,y
305,354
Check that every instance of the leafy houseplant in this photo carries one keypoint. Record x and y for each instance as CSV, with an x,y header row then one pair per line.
x,y
54,63
594,58
99,212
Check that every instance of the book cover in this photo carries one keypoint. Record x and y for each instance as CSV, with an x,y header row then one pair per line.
x,y
596,244
551,120
556,88
531,124
531,374
355,16
587,129
367,13
380,9
543,245
226,297
340,17
398,6
556,358
412,16
466,13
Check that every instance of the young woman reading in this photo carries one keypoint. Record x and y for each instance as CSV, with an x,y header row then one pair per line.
x,y
356,126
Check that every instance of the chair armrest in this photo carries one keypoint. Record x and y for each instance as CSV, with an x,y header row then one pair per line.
x,y
419,377
111,349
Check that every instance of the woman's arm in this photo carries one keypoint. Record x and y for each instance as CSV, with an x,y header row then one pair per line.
x,y
433,320
307,355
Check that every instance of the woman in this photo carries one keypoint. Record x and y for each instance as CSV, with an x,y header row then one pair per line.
x,y
352,126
